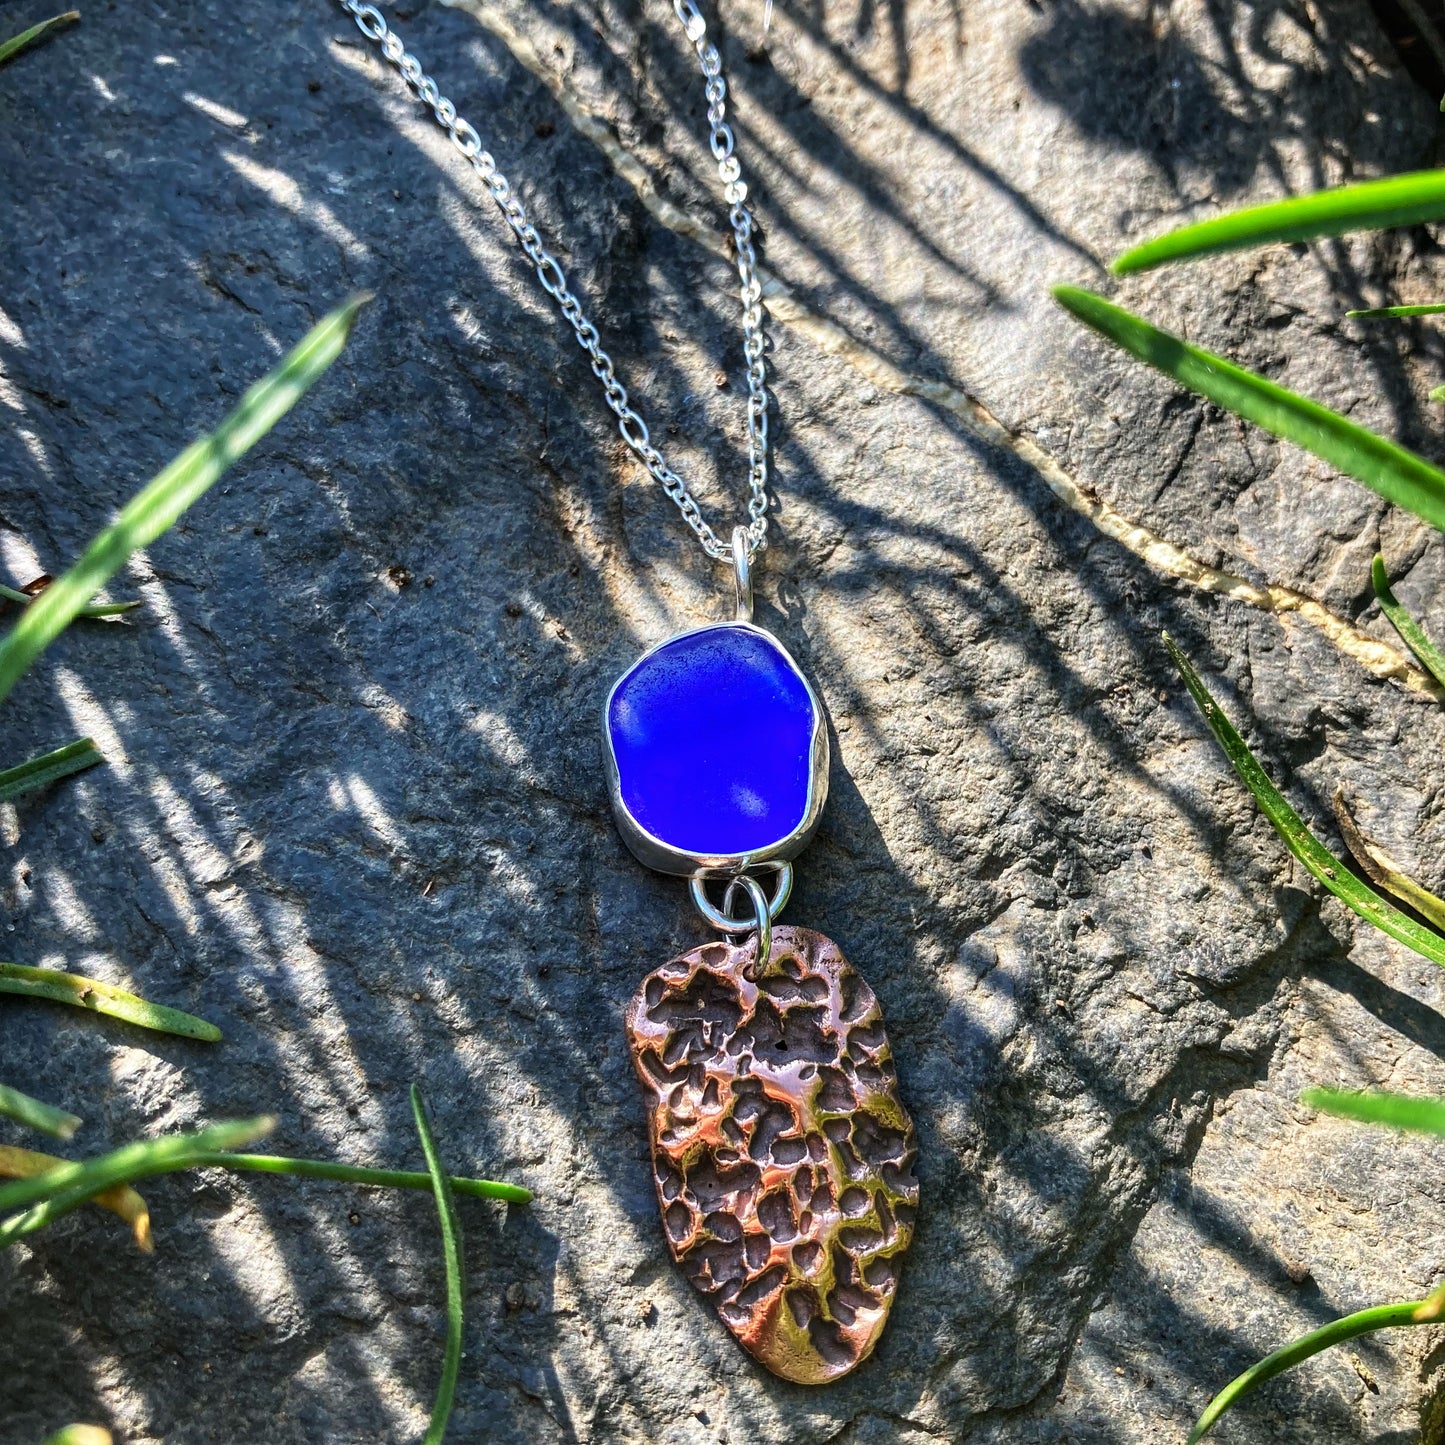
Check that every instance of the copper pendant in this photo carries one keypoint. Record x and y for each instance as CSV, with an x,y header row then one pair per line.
x,y
782,1154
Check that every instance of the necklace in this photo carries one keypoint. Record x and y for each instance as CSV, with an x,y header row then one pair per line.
x,y
782,1155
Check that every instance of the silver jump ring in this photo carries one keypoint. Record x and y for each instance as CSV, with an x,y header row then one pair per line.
x,y
762,918
763,909
722,920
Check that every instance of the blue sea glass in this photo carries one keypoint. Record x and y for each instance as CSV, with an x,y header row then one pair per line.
x,y
712,737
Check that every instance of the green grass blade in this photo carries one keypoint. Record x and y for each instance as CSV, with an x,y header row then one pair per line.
x,y
1297,837
1396,474
157,505
35,1115
1411,633
1380,313
1381,1317
356,1174
68,1186
120,1199
48,768
205,1154
452,1247
1399,1111
1370,206
103,998
12,47
80,1435
94,609
1382,870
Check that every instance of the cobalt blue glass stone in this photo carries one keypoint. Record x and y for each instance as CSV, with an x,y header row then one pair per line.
x,y
717,751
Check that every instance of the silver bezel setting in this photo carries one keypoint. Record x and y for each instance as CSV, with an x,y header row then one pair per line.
x,y
651,850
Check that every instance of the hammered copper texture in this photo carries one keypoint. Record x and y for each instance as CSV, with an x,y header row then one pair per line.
x,y
782,1153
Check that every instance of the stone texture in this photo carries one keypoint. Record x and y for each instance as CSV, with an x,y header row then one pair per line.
x,y
354,810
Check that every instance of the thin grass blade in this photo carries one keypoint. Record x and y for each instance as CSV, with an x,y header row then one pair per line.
x,y
93,609
157,505
1411,633
200,1156
1399,1111
12,47
1370,206
120,1199
452,1248
1381,1317
80,1435
132,1161
357,1174
1297,837
68,1185
1398,475
1381,313
48,768
103,998
1382,870
35,1115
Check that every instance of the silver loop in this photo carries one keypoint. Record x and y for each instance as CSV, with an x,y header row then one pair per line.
x,y
762,917
692,20
724,922
743,574
552,277
370,22
632,427
466,140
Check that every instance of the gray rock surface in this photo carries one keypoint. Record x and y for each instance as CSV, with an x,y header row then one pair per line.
x,y
353,810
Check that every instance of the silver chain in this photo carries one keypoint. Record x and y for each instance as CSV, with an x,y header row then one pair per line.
x,y
634,430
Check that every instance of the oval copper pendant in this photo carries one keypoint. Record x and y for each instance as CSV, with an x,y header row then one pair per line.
x,y
782,1154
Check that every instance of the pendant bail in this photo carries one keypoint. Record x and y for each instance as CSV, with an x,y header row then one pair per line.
x,y
759,918
743,574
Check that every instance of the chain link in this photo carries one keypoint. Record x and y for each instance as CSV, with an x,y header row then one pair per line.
x,y
634,430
